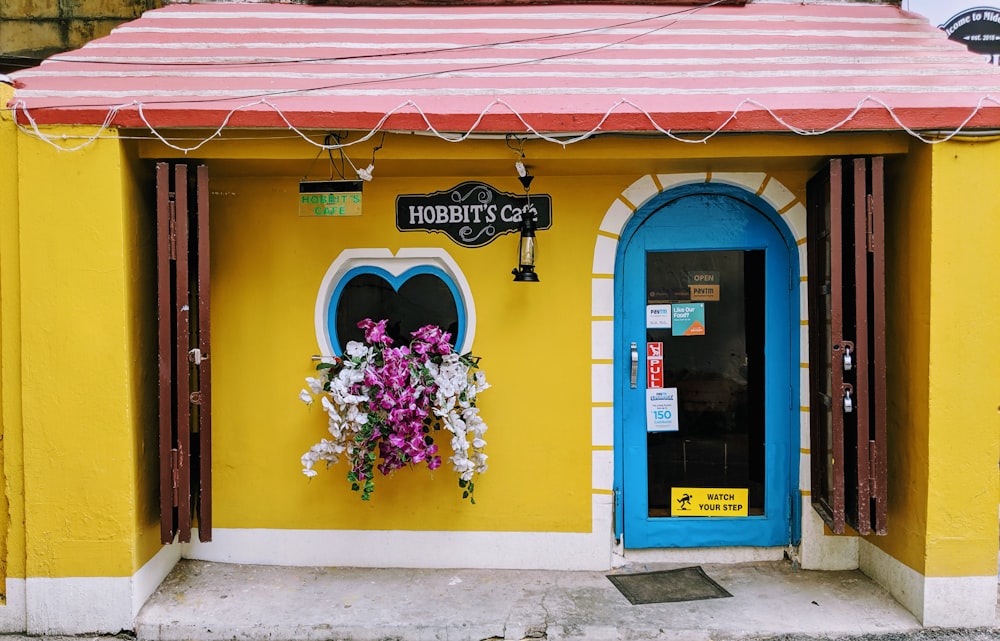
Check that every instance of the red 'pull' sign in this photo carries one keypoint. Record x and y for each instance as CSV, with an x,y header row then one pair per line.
x,y
654,365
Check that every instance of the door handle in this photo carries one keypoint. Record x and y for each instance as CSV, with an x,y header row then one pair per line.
x,y
635,364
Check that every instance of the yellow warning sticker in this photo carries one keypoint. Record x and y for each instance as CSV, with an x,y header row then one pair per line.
x,y
708,501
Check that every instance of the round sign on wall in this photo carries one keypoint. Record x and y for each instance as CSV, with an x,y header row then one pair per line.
x,y
965,21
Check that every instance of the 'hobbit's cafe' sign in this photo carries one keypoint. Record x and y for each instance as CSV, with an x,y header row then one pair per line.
x,y
472,214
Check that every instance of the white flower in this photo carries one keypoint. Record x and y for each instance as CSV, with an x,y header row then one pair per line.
x,y
356,349
306,398
315,384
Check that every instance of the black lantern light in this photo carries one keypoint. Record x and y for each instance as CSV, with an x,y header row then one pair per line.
x,y
525,272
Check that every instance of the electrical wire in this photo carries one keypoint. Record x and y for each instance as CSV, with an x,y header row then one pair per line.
x,y
935,137
431,74
418,52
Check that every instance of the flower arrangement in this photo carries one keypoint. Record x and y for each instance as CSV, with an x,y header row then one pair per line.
x,y
385,403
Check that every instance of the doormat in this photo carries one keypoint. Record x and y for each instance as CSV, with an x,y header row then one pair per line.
x,y
668,586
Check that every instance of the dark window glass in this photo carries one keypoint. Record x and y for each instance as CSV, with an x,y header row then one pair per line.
x,y
719,379
423,299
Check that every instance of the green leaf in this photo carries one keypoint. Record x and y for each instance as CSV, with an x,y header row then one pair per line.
x,y
465,494
322,366
462,482
355,487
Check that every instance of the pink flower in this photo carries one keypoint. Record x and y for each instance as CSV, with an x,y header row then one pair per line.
x,y
375,332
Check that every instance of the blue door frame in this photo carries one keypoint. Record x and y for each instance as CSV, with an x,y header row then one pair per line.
x,y
708,217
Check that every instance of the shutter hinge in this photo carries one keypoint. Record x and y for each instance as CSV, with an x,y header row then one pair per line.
x,y
175,473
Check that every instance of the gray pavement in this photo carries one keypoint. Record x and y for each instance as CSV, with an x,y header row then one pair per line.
x,y
215,602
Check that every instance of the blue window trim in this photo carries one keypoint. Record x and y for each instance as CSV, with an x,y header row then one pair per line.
x,y
396,282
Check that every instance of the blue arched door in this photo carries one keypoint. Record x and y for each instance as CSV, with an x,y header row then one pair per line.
x,y
706,376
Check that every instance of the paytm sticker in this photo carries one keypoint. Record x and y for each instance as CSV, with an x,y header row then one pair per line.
x,y
705,292
657,316
688,319
709,501
661,410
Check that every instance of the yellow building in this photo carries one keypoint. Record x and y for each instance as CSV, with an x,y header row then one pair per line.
x,y
764,323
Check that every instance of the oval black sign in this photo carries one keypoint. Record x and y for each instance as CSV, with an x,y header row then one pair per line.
x,y
472,213
978,28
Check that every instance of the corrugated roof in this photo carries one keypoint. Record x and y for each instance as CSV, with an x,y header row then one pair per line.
x,y
555,69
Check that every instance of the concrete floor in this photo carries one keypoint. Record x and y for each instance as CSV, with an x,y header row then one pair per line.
x,y
215,602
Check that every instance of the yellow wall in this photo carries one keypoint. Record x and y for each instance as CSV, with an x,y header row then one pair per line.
x,y
80,246
11,504
139,234
908,237
79,409
267,265
944,320
963,394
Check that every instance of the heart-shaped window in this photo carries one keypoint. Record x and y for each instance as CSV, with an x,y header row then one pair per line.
x,y
419,296
414,287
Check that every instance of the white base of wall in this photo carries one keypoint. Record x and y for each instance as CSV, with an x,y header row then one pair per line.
x,y
13,615
947,602
416,549
151,575
698,555
81,605
819,551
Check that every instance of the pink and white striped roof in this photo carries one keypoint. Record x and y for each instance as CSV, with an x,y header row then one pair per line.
x,y
554,69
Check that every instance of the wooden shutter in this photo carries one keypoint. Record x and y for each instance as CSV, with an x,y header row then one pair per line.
x,y
846,240
182,240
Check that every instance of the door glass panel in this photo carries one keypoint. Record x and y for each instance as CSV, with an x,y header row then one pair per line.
x,y
719,375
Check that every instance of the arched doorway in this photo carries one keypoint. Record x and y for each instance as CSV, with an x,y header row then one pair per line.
x,y
706,381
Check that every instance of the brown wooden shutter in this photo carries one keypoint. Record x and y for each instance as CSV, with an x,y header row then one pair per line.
x,y
182,240
847,344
